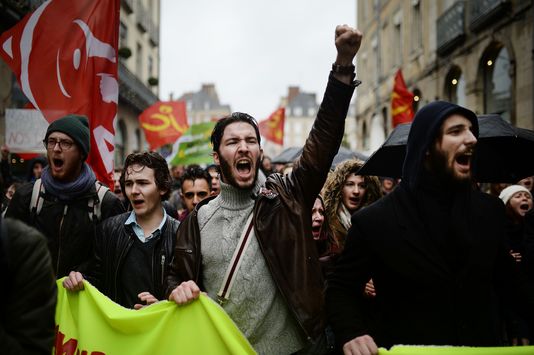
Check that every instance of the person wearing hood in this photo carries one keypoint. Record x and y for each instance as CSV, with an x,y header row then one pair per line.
x,y
435,248
35,168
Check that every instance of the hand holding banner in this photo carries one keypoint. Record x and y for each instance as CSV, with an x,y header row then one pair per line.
x,y
89,322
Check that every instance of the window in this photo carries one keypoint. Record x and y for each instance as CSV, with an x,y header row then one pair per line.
x,y
123,34
150,66
397,40
498,83
455,86
120,143
365,136
139,141
416,35
139,60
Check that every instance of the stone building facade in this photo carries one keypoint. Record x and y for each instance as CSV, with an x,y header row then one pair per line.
x,y
475,53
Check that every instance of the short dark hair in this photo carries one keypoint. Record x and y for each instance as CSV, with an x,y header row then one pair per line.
x,y
153,161
215,167
195,173
218,130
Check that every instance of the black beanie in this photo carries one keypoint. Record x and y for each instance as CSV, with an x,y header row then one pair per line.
x,y
76,127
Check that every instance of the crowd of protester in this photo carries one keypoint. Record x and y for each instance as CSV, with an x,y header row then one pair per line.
x,y
333,261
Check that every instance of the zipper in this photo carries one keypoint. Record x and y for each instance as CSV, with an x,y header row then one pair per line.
x,y
162,267
59,236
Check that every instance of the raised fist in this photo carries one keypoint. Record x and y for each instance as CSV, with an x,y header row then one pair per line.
x,y
348,42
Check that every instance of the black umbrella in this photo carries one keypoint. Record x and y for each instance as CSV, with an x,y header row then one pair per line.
x,y
501,155
288,155
291,154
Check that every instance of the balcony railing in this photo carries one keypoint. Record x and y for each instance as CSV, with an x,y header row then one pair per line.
x,y
451,28
482,12
133,91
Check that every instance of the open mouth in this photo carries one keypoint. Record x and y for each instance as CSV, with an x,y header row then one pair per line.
x,y
355,200
137,202
58,163
243,166
524,207
316,229
464,159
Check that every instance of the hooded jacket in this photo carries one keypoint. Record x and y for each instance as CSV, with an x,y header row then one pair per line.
x,y
440,273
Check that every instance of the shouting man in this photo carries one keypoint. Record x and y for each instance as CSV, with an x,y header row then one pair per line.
x,y
272,289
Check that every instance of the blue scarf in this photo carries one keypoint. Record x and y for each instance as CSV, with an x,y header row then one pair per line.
x,y
69,191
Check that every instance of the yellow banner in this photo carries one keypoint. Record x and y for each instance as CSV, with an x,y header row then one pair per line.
x,y
87,322
456,350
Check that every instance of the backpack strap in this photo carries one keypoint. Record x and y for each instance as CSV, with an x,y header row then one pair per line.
x,y
95,206
36,202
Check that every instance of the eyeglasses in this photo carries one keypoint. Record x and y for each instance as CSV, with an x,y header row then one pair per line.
x,y
63,144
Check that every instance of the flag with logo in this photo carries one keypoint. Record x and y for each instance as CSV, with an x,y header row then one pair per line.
x,y
194,147
272,128
164,123
401,101
64,55
88,322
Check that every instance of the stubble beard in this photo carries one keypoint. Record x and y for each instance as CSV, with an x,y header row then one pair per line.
x,y
440,168
229,178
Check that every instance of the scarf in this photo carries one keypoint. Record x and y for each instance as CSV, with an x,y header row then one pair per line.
x,y
344,216
69,191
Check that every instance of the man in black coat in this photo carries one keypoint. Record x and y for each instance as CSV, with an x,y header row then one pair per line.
x,y
134,250
434,248
28,306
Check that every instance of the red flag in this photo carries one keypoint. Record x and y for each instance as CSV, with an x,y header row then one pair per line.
x,y
273,127
164,122
64,55
401,101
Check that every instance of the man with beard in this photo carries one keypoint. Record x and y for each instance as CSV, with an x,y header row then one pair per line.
x,y
249,247
439,263
64,204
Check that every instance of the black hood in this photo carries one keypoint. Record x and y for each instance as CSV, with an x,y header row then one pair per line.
x,y
423,132
39,159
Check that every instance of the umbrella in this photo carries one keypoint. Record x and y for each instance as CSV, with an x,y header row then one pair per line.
x,y
288,155
291,154
501,153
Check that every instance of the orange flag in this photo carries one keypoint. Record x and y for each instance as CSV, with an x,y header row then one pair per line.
x,y
164,122
273,127
401,101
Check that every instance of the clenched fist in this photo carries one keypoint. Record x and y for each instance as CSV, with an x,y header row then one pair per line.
x,y
348,42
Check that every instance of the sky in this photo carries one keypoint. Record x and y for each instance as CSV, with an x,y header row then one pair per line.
x,y
251,50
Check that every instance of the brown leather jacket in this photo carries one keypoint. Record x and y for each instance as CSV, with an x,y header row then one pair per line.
x,y
282,219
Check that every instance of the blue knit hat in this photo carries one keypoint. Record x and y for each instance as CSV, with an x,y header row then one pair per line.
x,y
76,127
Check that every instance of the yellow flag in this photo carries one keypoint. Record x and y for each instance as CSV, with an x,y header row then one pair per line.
x,y
456,350
87,322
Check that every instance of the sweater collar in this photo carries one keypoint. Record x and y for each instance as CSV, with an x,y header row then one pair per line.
x,y
235,198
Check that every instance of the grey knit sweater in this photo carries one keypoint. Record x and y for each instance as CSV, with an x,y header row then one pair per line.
x,y
255,304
